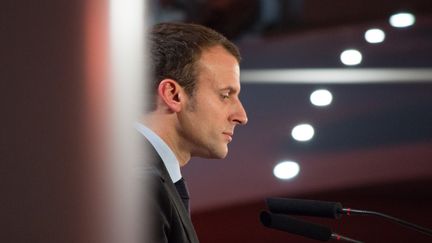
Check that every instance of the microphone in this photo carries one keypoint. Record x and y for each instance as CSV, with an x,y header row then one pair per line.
x,y
329,210
295,226
304,207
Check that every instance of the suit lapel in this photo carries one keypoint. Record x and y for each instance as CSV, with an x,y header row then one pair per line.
x,y
178,203
173,194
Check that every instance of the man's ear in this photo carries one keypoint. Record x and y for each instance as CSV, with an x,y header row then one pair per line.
x,y
170,93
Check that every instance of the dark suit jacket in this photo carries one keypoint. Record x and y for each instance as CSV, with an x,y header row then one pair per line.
x,y
171,221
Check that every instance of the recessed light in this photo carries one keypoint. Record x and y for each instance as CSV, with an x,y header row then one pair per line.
x,y
351,57
402,20
321,97
286,170
303,132
374,36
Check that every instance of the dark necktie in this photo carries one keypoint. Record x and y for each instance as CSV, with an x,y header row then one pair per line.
x,y
183,192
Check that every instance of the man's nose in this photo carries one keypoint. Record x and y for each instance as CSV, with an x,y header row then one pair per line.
x,y
240,116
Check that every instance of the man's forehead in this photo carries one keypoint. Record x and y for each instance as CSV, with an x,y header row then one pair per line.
x,y
219,69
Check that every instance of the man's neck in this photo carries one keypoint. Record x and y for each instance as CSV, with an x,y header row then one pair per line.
x,y
166,131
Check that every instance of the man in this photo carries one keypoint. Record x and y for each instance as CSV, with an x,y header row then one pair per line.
x,y
194,112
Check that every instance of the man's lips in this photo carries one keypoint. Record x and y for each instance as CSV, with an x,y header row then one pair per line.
x,y
229,135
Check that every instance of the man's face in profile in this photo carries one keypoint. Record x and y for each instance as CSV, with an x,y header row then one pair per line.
x,y
214,109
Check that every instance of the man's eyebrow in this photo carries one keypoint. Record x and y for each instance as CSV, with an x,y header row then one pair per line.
x,y
231,89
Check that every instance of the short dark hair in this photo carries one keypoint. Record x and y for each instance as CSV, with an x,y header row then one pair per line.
x,y
175,49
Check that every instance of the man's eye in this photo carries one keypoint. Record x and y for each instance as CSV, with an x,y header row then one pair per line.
x,y
225,96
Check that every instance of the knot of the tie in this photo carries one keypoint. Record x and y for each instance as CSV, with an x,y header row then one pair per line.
x,y
183,192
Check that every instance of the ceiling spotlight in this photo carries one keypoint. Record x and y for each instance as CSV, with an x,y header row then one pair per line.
x,y
321,97
351,57
374,36
286,170
402,20
303,132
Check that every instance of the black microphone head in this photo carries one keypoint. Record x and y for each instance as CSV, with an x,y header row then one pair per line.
x,y
265,218
304,207
295,226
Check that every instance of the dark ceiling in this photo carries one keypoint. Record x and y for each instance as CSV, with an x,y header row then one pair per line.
x,y
239,18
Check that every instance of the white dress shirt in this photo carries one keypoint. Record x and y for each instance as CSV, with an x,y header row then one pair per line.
x,y
166,154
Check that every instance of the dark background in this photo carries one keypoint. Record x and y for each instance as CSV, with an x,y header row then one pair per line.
x,y
372,148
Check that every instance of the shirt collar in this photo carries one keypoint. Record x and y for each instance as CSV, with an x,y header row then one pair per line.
x,y
166,154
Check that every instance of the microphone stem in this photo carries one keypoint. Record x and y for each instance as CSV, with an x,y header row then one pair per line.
x,y
344,238
388,217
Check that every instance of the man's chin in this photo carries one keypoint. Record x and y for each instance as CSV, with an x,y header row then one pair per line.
x,y
220,154
223,154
